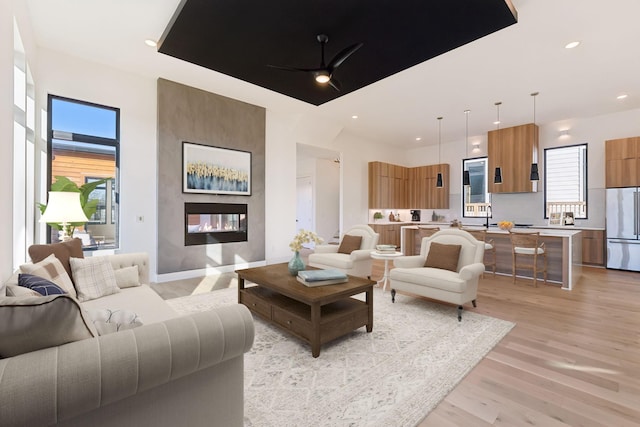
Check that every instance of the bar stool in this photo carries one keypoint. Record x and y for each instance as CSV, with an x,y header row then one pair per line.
x,y
489,248
526,244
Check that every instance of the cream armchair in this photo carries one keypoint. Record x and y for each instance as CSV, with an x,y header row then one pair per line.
x,y
455,283
356,263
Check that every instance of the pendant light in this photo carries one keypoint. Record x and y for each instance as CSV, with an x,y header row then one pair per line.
x,y
439,177
534,175
497,178
466,179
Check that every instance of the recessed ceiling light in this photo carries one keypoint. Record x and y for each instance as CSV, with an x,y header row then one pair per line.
x,y
572,45
418,139
623,96
150,43
354,117
497,122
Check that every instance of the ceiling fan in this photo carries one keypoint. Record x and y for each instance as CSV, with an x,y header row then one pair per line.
x,y
324,73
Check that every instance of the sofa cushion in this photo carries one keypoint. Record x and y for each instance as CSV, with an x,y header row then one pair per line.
x,y
63,251
127,277
94,277
443,256
142,300
333,260
38,284
33,323
349,244
108,321
51,269
437,278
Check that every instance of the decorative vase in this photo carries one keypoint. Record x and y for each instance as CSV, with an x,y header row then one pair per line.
x,y
296,264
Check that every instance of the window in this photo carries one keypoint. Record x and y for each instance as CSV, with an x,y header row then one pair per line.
x,y
83,145
565,186
475,197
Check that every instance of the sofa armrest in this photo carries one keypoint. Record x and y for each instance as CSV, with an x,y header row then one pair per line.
x,y
360,254
472,270
326,249
82,376
413,261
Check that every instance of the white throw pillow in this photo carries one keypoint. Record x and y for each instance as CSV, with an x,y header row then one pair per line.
x,y
51,269
94,277
127,277
33,323
108,321
20,291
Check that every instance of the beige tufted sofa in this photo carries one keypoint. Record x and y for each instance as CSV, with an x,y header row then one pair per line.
x,y
171,371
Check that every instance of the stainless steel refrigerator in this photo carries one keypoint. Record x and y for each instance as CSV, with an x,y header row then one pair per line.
x,y
623,228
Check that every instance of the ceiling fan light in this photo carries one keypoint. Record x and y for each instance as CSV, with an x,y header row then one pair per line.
x,y
323,77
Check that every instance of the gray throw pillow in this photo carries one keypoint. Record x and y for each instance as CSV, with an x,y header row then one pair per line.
x,y
34,323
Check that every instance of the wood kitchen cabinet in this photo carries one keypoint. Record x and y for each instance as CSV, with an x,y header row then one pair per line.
x,y
389,233
422,187
398,187
593,247
513,150
388,186
622,166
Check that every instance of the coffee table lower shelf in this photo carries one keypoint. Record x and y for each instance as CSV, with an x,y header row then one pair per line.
x,y
336,319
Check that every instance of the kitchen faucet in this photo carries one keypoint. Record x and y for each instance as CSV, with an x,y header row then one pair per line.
x,y
488,213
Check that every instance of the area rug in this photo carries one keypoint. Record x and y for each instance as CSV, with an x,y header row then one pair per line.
x,y
393,376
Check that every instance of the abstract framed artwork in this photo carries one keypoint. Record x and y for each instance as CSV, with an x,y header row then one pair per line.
x,y
215,170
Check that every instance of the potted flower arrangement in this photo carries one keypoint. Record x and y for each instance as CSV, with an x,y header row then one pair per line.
x,y
377,216
304,236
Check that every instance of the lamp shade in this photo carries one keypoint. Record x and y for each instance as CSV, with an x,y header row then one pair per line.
x,y
466,178
497,179
534,176
63,207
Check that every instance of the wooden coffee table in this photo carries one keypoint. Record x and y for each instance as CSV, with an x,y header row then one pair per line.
x,y
314,314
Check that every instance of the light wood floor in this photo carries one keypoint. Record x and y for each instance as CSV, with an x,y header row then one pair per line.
x,y
573,358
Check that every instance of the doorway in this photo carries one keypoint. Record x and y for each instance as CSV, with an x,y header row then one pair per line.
x,y
318,200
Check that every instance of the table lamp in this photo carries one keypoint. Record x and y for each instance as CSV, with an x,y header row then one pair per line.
x,y
63,208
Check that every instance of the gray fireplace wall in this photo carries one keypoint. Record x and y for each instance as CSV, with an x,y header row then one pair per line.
x,y
193,115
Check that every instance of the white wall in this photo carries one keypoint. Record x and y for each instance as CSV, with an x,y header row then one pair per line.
x,y
6,135
136,97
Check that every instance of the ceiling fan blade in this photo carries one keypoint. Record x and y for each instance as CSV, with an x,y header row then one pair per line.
x,y
343,55
334,83
305,70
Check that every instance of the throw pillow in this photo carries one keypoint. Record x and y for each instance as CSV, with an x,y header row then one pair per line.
x,y
349,244
34,323
40,285
127,277
51,269
63,251
94,277
19,291
443,256
108,321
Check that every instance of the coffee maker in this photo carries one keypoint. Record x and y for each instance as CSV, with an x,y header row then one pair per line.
x,y
415,215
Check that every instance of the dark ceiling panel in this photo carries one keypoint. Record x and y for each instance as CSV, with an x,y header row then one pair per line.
x,y
241,38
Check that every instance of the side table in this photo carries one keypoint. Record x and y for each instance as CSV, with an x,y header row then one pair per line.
x,y
386,257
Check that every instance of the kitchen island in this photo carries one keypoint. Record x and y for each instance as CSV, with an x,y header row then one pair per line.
x,y
563,246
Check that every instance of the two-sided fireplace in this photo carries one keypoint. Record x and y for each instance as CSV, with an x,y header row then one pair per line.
x,y
208,223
